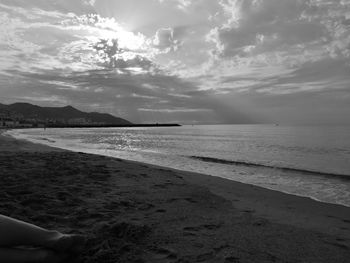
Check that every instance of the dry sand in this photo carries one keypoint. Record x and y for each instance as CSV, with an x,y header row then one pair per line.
x,y
134,212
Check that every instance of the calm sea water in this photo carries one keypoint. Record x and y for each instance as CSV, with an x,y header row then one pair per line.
x,y
306,161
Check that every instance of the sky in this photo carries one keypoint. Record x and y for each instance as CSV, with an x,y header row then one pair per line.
x,y
186,61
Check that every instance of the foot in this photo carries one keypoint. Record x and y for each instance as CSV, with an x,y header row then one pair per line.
x,y
66,243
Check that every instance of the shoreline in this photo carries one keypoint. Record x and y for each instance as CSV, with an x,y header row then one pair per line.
x,y
211,182
199,173
166,213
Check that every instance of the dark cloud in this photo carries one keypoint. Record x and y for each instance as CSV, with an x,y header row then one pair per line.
x,y
326,70
128,95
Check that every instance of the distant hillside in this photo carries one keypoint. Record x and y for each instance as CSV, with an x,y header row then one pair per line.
x,y
63,113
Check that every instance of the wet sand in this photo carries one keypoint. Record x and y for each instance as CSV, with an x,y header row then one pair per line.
x,y
135,212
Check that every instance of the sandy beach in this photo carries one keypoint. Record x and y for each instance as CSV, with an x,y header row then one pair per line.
x,y
135,212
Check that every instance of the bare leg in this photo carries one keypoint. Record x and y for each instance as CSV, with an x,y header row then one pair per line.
x,y
14,232
14,255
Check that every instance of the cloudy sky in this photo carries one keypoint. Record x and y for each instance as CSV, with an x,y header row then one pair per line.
x,y
188,61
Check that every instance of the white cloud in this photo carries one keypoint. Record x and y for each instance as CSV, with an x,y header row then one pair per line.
x,y
80,43
181,4
280,35
89,2
165,41
256,27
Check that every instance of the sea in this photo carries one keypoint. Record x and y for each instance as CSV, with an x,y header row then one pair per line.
x,y
311,161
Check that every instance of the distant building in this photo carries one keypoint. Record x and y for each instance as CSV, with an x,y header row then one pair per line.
x,y
26,125
9,123
78,121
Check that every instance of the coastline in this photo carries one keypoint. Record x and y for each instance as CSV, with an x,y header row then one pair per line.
x,y
302,178
134,211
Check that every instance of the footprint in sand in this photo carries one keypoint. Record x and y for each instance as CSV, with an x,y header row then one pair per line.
x,y
164,254
202,227
260,222
191,200
205,257
232,259
248,211
338,245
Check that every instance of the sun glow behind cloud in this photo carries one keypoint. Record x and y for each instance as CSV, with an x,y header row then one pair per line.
x,y
108,29
78,43
107,43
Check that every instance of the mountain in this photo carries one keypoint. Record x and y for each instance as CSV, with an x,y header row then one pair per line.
x,y
29,111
